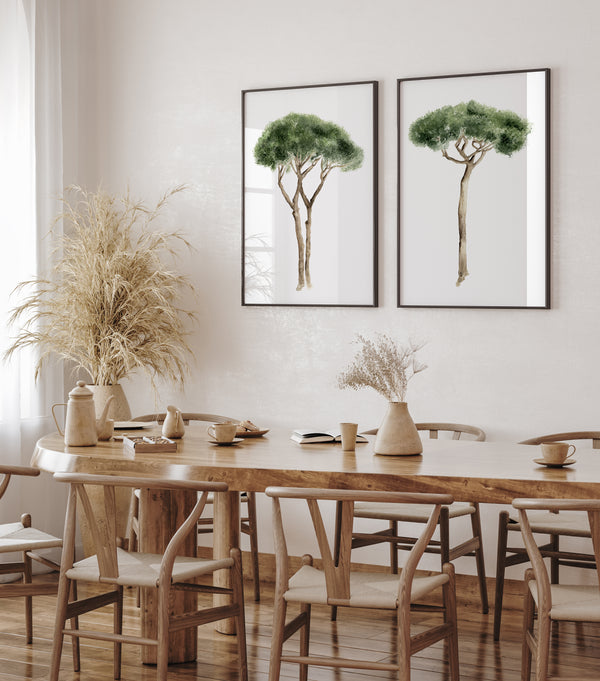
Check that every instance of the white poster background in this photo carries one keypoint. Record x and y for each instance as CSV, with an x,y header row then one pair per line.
x,y
342,259
506,206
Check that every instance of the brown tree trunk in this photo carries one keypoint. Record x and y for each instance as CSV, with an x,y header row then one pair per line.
x,y
307,231
300,241
463,272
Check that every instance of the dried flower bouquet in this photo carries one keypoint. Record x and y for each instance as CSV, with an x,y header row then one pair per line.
x,y
111,304
383,365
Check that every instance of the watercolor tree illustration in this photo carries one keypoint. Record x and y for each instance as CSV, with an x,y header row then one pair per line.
x,y
474,129
300,143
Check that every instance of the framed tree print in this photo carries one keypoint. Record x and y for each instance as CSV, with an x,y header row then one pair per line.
x,y
309,198
473,190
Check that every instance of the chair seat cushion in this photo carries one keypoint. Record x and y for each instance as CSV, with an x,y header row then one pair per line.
x,y
367,589
142,569
417,513
15,537
569,523
572,602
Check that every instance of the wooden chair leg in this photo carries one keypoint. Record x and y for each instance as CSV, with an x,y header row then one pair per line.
x,y
305,641
450,616
237,585
554,565
279,611
479,559
404,645
59,623
444,523
542,651
394,547
336,546
118,629
75,639
500,570
528,613
162,652
253,534
28,599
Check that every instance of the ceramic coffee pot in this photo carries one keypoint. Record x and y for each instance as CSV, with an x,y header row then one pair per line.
x,y
81,425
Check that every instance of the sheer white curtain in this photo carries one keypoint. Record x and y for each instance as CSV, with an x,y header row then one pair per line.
x,y
30,182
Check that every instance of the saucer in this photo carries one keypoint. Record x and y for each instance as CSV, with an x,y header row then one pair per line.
x,y
235,441
566,462
252,433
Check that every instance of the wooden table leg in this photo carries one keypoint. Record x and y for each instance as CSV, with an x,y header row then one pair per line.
x,y
226,536
161,513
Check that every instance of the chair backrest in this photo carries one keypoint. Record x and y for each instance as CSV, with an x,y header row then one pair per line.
x,y
102,514
187,417
337,577
592,435
7,471
591,506
457,430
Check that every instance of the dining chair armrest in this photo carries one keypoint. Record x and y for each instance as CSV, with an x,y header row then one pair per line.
x,y
557,504
358,495
137,482
19,470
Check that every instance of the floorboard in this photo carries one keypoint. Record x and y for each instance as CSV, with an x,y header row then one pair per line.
x,y
357,633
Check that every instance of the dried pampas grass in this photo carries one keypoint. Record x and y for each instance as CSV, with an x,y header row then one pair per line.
x,y
111,304
383,365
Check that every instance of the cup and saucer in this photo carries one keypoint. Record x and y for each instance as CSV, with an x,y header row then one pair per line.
x,y
556,455
223,434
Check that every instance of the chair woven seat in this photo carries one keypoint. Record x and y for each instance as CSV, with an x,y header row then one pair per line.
x,y
368,589
571,602
142,569
16,537
567,523
407,512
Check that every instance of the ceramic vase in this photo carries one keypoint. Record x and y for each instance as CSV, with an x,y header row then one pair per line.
x,y
398,435
119,409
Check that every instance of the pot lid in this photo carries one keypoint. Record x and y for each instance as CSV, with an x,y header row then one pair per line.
x,y
81,391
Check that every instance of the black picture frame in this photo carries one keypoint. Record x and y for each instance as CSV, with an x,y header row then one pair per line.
x,y
506,209
342,259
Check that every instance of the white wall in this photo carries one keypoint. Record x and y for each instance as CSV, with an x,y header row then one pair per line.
x,y
153,99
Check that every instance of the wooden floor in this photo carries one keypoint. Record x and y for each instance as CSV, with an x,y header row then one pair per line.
x,y
357,633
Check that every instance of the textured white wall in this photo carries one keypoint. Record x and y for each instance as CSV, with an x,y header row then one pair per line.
x,y
153,98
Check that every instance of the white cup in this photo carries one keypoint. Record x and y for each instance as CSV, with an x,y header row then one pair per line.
x,y
222,432
348,432
556,452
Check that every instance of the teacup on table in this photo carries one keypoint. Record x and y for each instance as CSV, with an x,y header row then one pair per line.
x,y
556,452
222,432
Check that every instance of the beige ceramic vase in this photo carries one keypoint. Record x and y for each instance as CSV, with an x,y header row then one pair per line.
x,y
398,435
119,409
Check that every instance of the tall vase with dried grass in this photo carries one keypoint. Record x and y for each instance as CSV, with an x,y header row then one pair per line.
x,y
112,302
387,367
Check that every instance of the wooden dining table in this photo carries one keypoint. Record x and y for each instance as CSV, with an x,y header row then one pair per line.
x,y
486,472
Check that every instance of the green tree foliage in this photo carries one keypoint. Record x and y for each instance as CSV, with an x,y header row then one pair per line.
x,y
474,129
299,143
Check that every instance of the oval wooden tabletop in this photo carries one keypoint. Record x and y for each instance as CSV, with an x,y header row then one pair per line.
x,y
494,472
